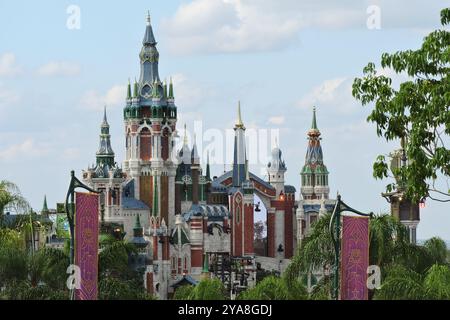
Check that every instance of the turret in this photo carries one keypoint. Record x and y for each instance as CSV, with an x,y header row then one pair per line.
x,y
314,173
149,57
276,169
105,154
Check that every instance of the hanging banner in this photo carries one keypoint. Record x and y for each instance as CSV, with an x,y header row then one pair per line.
x,y
354,258
86,244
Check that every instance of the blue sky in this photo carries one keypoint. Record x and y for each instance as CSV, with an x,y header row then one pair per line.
x,y
280,58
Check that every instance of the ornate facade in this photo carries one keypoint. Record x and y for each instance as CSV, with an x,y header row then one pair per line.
x,y
196,226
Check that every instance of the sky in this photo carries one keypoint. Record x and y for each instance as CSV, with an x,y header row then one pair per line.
x,y
62,62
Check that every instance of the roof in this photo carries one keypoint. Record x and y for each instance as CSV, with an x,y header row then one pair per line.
x,y
217,184
289,189
186,280
132,203
213,212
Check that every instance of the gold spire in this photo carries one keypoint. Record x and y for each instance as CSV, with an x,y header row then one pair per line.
x,y
239,123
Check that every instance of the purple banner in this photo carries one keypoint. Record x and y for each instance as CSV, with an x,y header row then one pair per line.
x,y
86,244
354,258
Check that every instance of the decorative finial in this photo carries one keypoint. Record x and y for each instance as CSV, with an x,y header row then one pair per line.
x,y
239,123
148,18
171,95
314,121
105,120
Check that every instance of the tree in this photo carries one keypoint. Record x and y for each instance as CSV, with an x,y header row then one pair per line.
x,y
11,199
206,289
389,248
184,293
402,283
209,289
416,113
117,280
27,275
275,288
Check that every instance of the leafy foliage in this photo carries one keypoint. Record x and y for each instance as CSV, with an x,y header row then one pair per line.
x,y
11,199
403,265
418,111
206,289
275,288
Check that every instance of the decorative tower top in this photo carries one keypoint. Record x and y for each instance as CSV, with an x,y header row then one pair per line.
x,y
314,154
45,207
184,155
240,156
149,57
105,154
314,172
194,153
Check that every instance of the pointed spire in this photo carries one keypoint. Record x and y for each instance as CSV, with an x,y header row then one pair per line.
x,y
208,170
129,90
149,21
171,96
105,119
165,88
194,153
239,123
45,207
137,224
314,121
149,38
136,89
155,91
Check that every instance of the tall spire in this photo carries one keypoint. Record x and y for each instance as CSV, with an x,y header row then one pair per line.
x,y
171,96
149,57
314,121
239,151
194,153
208,170
105,154
105,119
129,90
149,38
45,207
239,123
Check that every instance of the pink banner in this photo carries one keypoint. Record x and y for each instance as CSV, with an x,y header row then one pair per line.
x,y
354,258
86,244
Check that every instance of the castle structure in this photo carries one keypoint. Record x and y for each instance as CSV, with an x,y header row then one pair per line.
x,y
195,226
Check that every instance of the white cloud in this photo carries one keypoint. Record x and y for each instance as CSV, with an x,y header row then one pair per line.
x,y
59,68
8,65
333,94
28,148
114,97
224,26
277,120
